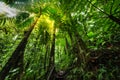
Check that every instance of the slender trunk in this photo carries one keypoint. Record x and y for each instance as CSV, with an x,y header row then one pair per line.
x,y
67,43
52,52
52,57
80,42
46,56
70,35
81,49
50,76
19,64
113,18
67,46
16,54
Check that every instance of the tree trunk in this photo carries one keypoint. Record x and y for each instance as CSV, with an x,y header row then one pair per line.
x,y
113,18
52,57
17,54
81,49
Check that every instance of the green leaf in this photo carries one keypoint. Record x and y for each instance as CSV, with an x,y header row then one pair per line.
x,y
91,34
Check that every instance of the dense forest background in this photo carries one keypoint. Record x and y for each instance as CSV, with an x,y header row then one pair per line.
x,y
59,40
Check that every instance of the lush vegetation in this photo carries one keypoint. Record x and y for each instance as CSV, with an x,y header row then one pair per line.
x,y
60,40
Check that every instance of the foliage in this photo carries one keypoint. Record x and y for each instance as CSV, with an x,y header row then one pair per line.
x,y
87,38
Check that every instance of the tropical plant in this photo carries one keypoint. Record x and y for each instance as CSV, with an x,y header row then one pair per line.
x,y
59,39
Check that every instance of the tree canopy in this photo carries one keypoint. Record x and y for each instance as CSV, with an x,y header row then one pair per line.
x,y
59,39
